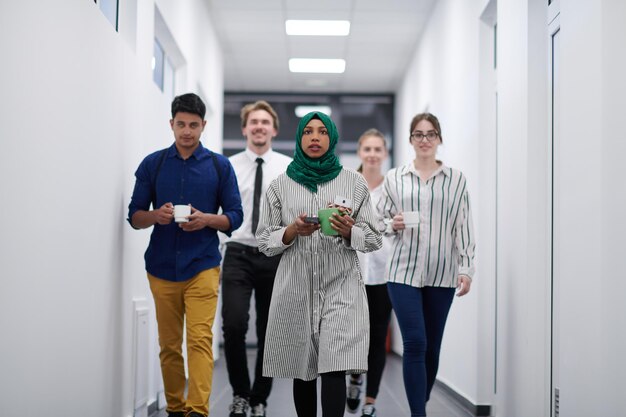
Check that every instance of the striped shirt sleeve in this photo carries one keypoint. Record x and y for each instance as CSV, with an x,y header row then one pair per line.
x,y
271,228
464,238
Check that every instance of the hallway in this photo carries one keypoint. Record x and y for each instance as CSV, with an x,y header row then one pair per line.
x,y
391,401
531,97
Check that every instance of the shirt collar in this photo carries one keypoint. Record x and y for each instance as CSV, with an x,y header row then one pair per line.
x,y
253,156
410,169
200,153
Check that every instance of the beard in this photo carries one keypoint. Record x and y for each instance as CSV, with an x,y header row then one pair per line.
x,y
259,141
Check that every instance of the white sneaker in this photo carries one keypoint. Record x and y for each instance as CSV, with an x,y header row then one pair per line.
x,y
257,411
368,411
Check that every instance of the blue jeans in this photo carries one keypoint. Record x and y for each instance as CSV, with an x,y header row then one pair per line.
x,y
422,314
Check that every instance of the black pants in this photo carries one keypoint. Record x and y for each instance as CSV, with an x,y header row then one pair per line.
x,y
245,270
380,314
333,395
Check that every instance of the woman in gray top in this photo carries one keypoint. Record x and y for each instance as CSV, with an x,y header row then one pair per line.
x,y
318,320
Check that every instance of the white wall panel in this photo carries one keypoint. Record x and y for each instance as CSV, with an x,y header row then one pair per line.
x,y
79,111
588,186
443,79
613,308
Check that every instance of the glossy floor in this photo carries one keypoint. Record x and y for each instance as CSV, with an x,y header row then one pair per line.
x,y
391,401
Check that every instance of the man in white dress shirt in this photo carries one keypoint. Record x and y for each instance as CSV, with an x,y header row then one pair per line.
x,y
245,270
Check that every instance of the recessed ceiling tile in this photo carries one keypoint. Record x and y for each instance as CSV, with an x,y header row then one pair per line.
x,y
256,49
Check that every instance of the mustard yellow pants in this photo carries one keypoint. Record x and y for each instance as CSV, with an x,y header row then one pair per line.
x,y
193,303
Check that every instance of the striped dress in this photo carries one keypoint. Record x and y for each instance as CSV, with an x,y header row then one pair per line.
x,y
441,246
318,319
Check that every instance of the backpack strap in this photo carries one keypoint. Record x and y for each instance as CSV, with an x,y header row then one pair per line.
x,y
219,179
156,175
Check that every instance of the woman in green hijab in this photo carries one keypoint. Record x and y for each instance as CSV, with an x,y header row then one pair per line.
x,y
318,322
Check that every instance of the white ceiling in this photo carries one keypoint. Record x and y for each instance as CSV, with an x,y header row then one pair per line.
x,y
383,36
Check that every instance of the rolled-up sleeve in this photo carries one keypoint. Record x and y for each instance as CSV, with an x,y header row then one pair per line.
x,y
142,192
365,236
231,199
271,228
387,207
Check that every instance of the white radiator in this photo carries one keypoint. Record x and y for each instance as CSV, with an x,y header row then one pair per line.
x,y
140,357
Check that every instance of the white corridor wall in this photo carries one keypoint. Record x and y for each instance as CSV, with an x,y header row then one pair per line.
x,y
78,112
443,79
589,222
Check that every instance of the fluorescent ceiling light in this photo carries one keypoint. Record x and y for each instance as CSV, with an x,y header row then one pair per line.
x,y
317,27
302,110
330,66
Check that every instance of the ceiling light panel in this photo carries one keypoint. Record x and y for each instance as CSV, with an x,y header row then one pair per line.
x,y
310,65
301,111
317,27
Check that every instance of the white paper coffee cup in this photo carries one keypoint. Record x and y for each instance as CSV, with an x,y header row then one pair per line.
x,y
411,218
181,211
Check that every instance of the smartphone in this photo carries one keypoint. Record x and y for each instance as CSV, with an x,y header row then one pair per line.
x,y
312,220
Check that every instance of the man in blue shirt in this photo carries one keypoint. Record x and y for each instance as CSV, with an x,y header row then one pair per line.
x,y
182,259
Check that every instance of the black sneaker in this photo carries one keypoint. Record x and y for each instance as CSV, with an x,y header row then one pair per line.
x,y
239,407
353,398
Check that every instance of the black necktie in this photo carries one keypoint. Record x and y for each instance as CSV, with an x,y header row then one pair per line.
x,y
256,199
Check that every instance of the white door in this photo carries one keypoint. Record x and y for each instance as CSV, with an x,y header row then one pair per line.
x,y
554,31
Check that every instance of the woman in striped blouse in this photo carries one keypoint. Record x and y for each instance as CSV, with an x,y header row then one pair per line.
x,y
432,253
318,319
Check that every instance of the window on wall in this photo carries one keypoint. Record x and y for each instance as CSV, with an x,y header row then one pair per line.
x,y
110,9
166,57
168,79
495,45
163,72
158,56
158,64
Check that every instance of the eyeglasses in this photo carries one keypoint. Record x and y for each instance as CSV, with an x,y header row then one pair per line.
x,y
419,136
